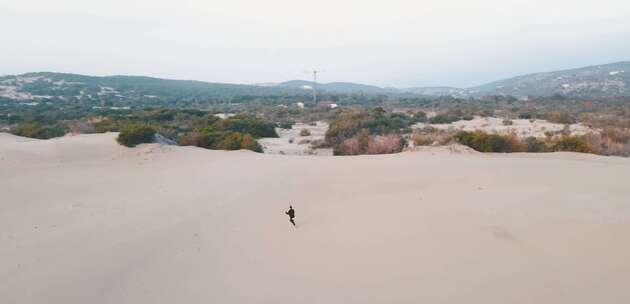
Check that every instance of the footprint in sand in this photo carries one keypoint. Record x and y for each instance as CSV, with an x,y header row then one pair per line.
x,y
502,233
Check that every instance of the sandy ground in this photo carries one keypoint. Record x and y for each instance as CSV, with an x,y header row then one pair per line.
x,y
290,142
83,220
521,127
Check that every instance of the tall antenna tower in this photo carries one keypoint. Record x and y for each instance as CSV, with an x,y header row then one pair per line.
x,y
315,84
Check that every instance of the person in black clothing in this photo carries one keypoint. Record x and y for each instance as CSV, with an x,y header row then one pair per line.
x,y
291,214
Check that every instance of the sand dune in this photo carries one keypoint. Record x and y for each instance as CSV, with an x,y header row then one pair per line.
x,y
521,127
84,220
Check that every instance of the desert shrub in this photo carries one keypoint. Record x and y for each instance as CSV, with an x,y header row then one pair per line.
x,y
133,134
420,139
605,145
573,144
319,144
363,143
385,144
444,118
525,115
419,116
507,122
305,132
350,146
375,122
220,140
238,141
610,141
560,117
485,142
617,135
534,145
254,126
106,125
37,130
201,139
190,139
286,125
232,133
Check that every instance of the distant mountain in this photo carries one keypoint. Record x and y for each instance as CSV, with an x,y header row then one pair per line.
x,y
436,91
47,85
593,81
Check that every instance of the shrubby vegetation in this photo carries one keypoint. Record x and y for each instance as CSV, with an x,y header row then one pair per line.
x,y
358,131
572,143
134,134
233,133
485,142
305,132
37,130
187,116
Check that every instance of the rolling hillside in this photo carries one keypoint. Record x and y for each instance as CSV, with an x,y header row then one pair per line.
x,y
46,85
593,81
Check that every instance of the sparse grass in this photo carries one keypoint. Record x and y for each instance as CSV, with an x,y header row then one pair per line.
x,y
305,132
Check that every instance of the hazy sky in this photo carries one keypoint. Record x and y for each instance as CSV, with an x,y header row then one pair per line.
x,y
387,43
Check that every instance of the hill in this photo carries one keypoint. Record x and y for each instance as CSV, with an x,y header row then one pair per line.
x,y
47,85
593,81
607,80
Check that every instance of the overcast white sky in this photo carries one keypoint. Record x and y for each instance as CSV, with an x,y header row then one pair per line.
x,y
387,43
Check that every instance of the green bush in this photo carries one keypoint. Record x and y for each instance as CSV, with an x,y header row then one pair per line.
x,y
221,140
534,145
444,118
37,130
233,133
133,134
485,142
106,125
374,122
286,125
238,141
305,132
254,126
572,144
525,115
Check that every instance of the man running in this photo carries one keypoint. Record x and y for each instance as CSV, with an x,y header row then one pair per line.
x,y
291,214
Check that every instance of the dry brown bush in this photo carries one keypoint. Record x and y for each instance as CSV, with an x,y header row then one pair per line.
x,y
422,139
191,139
350,146
384,144
617,135
607,146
